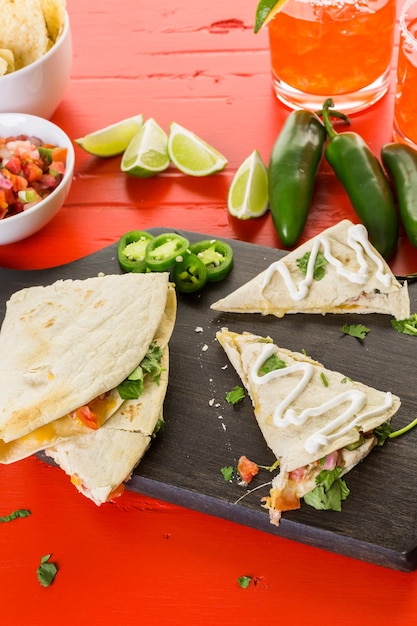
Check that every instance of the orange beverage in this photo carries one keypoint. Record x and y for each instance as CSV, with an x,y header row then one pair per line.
x,y
405,109
338,49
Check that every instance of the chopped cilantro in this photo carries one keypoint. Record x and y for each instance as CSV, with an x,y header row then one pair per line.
x,y
244,581
15,515
330,491
355,330
382,432
235,395
46,571
227,472
324,379
319,265
346,379
272,363
407,326
132,386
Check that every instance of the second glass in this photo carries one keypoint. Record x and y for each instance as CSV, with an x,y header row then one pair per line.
x,y
339,49
405,109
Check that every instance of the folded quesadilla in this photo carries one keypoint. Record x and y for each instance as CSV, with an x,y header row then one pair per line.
x,y
338,271
312,418
67,347
99,463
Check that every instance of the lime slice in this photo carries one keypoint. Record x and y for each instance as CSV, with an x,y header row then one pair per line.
x,y
191,154
248,192
113,139
147,153
266,11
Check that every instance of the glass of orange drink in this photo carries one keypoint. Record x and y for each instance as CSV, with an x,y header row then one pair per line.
x,y
405,108
339,49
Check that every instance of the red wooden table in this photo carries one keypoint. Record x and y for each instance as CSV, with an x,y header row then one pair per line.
x,y
139,560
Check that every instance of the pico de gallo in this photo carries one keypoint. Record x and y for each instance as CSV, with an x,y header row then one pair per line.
x,y
29,171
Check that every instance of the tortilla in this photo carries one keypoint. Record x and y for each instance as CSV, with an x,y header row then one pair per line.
x,y
356,279
99,462
302,419
23,30
63,345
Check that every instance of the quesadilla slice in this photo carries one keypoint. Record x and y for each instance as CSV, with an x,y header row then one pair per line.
x,y
99,463
66,348
310,426
338,271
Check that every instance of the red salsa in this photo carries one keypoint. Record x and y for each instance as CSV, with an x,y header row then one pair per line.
x,y
29,171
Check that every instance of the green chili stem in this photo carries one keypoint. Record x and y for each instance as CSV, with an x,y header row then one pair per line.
x,y
326,119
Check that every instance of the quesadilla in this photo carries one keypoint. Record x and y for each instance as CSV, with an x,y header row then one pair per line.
x,y
66,348
99,463
338,271
310,426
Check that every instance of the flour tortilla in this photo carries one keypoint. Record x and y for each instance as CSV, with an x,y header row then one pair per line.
x,y
288,443
99,462
63,345
332,294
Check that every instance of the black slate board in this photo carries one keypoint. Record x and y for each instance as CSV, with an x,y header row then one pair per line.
x,y
204,433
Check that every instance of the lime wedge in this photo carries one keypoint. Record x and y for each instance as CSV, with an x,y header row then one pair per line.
x,y
147,153
266,11
191,154
112,139
248,192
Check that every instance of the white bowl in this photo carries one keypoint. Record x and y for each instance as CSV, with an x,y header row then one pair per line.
x,y
38,88
24,224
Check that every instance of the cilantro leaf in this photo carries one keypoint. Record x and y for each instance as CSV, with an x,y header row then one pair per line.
x,y
355,330
235,395
272,363
319,265
15,515
330,491
244,581
407,326
324,379
46,571
383,432
227,472
132,386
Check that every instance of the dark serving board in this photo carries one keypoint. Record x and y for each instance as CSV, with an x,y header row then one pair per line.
x,y
204,433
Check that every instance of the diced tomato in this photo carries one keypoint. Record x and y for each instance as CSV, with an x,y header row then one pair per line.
x,y
18,182
57,167
32,172
247,469
60,154
14,165
85,416
298,474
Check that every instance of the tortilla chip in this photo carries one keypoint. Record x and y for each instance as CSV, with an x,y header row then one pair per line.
x,y
54,14
23,30
6,61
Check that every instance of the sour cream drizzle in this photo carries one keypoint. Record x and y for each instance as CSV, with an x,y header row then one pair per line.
x,y
284,416
357,239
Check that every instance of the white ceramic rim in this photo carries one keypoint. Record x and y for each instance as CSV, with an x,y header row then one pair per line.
x,y
69,167
41,59
410,39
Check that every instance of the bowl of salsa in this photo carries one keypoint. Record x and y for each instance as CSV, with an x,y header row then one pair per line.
x,y
36,170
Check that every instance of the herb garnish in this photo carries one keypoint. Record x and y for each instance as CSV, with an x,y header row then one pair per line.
x,y
227,472
324,379
132,386
272,363
46,571
244,581
407,326
355,330
319,265
15,515
331,490
235,395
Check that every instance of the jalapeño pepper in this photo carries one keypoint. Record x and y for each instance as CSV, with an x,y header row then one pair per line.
x,y
131,250
216,255
162,252
400,162
363,178
294,162
189,274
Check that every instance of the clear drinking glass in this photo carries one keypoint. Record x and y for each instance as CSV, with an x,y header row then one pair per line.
x,y
405,108
339,49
